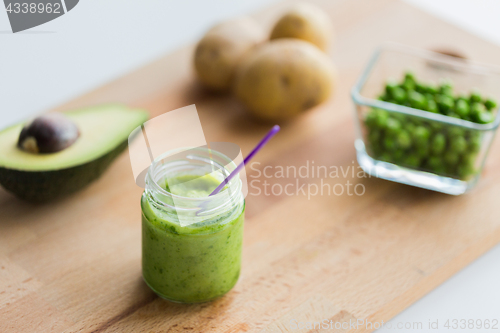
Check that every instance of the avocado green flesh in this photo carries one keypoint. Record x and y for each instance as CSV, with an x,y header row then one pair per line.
x,y
104,135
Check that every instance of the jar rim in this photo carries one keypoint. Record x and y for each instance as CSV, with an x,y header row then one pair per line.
x,y
232,189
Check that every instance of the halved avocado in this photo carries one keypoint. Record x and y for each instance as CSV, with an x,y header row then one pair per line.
x,y
104,132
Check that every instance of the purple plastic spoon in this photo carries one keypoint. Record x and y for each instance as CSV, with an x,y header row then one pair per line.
x,y
240,166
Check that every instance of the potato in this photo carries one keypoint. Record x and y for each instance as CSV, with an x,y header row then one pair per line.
x,y
220,50
307,22
284,77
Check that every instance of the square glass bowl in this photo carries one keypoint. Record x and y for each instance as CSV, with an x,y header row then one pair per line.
x,y
438,152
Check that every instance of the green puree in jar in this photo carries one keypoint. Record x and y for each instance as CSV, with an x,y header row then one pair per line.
x,y
193,263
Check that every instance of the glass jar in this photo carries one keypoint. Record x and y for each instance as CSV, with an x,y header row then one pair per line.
x,y
191,245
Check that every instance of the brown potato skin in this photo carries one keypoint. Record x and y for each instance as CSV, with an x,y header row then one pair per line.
x,y
283,78
306,22
223,46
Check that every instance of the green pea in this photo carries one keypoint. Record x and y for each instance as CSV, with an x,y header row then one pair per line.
x,y
467,166
371,118
446,91
454,131
475,144
417,100
410,76
433,161
479,107
421,88
475,96
418,121
435,126
399,95
409,126
403,139
432,106
398,155
469,160
374,136
421,135
400,116
387,157
451,170
435,164
440,170
446,88
422,151
384,98
473,134
408,85
458,144
438,143
393,126
464,171
451,158
476,110
445,103
432,89
409,82
376,151
378,118
412,160
390,144
490,104
389,86
446,83
485,118
462,108
454,115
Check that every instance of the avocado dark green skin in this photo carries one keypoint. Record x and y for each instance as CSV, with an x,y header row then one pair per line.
x,y
42,186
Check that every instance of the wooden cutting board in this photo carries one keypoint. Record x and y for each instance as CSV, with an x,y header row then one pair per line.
x,y
74,265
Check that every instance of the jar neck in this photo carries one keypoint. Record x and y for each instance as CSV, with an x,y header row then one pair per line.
x,y
196,162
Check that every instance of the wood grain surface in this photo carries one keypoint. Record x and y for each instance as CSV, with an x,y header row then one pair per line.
x,y
74,265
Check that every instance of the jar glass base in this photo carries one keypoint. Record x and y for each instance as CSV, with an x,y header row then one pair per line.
x,y
399,174
184,302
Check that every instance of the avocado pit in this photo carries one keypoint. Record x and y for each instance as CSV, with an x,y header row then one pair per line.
x,y
48,133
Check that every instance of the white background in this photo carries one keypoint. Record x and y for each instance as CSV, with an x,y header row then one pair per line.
x,y
101,40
